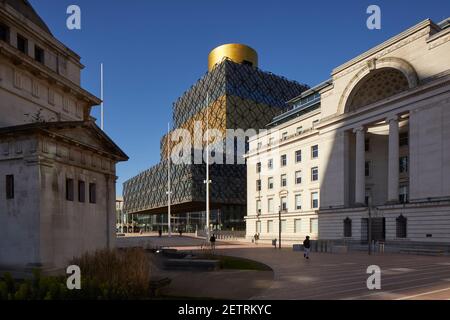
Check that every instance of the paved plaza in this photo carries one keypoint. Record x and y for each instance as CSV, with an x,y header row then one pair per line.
x,y
325,276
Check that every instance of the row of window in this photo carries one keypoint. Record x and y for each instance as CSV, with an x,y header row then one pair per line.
x,y
10,188
284,203
284,179
400,227
403,166
70,194
22,43
270,226
283,158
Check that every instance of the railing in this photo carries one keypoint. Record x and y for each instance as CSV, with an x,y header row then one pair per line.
x,y
222,234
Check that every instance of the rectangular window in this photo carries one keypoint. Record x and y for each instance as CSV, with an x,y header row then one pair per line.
x,y
270,164
284,206
69,189
283,226
314,225
298,202
81,191
39,54
298,225
403,139
314,174
403,194
4,33
258,226
284,135
315,152
259,145
270,183
403,164
298,177
314,200
271,141
92,193
283,180
270,205
283,160
258,167
298,156
269,226
368,197
367,166
299,130
10,186
22,44
314,123
258,206
258,185
367,145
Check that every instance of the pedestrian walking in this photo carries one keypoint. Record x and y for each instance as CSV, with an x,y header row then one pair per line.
x,y
306,247
212,240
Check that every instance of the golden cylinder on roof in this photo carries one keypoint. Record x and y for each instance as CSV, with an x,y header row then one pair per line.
x,y
236,52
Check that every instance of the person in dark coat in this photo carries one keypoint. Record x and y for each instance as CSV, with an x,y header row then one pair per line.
x,y
212,240
306,247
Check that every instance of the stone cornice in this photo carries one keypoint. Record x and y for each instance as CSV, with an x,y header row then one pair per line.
x,y
45,73
399,98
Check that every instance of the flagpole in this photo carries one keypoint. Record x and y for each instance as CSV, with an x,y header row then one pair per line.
x,y
101,95
207,168
169,192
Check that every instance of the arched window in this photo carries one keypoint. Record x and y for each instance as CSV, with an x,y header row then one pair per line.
x,y
401,223
347,227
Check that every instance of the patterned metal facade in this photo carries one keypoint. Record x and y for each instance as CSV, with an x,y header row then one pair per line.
x,y
235,96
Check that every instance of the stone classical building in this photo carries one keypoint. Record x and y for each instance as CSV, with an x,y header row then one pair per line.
x,y
373,139
57,168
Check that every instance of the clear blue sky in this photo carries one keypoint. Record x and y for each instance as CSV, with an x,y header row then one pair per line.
x,y
154,50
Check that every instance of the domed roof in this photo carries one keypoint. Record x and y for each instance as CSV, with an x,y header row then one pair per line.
x,y
25,8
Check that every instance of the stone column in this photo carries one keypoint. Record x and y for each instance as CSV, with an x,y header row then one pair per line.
x,y
360,179
393,158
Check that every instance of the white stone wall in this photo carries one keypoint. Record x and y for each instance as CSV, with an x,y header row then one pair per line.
x,y
23,95
41,226
19,239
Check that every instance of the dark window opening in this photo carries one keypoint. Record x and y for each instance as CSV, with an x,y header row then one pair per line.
x,y
347,227
401,226
10,186
403,164
367,169
403,139
81,191
367,145
92,193
39,54
69,189
22,44
4,32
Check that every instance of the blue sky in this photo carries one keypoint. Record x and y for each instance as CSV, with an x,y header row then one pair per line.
x,y
154,50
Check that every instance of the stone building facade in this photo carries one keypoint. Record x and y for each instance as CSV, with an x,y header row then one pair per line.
x,y
374,141
57,168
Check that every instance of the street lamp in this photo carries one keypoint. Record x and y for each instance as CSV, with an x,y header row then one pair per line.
x,y
279,226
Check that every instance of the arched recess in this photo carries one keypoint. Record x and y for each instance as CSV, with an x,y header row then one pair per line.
x,y
395,71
